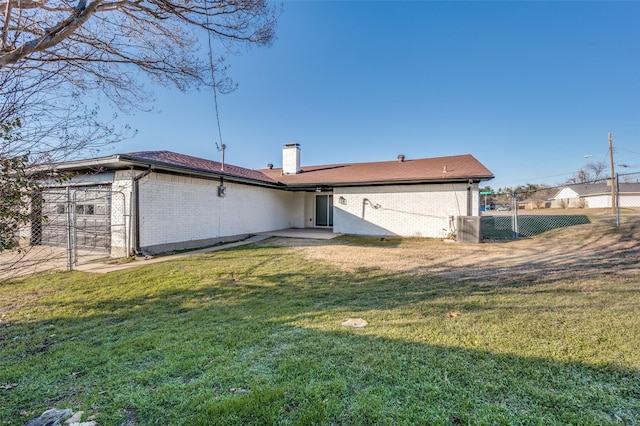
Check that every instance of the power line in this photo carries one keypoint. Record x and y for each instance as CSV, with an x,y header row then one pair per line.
x,y
213,79
626,150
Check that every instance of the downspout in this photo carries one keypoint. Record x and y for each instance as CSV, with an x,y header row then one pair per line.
x,y
136,206
469,198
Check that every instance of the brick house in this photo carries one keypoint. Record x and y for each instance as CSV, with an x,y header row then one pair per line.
x,y
155,201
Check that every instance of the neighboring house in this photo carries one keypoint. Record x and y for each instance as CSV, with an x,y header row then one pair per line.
x,y
534,204
156,201
596,195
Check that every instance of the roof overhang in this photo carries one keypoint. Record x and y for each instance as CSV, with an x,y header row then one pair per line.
x,y
313,186
125,162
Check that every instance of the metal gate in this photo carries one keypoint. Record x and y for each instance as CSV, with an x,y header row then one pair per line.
x,y
85,220
92,219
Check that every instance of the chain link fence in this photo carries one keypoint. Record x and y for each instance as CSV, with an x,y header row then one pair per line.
x,y
69,226
537,209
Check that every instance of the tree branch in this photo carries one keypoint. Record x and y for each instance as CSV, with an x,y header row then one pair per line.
x,y
53,36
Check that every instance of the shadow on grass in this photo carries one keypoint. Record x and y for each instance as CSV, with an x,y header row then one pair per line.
x,y
254,337
597,250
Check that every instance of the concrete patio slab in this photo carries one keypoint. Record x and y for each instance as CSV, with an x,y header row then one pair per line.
x,y
310,233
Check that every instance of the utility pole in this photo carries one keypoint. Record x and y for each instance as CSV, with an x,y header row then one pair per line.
x,y
613,179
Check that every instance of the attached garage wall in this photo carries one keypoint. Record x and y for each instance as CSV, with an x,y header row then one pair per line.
x,y
402,210
604,200
596,201
177,211
630,200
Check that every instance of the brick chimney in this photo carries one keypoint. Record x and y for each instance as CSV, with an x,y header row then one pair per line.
x,y
291,159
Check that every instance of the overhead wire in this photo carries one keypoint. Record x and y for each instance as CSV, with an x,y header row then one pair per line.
x,y
213,76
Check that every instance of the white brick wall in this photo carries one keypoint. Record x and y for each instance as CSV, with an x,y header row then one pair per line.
x,y
176,209
291,159
404,210
310,209
121,238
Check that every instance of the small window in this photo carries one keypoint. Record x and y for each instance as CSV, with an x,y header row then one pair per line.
x,y
86,209
60,208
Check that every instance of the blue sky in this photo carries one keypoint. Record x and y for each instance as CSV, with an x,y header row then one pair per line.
x,y
528,88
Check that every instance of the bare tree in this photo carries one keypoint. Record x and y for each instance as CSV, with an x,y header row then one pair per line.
x,y
541,195
55,124
589,173
53,52
595,169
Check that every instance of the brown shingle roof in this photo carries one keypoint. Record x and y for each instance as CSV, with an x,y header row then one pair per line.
x,y
440,169
458,167
198,164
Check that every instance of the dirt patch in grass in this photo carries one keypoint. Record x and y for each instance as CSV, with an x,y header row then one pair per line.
x,y
576,252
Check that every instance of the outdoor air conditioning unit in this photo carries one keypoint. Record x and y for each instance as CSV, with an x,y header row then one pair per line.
x,y
468,229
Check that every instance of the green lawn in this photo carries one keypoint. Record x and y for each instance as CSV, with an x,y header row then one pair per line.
x,y
253,336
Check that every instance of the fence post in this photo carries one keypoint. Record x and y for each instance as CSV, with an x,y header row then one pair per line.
x,y
69,230
617,198
516,231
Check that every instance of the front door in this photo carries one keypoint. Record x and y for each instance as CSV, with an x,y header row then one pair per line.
x,y
324,210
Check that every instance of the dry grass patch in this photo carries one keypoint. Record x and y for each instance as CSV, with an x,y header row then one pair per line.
x,y
584,251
